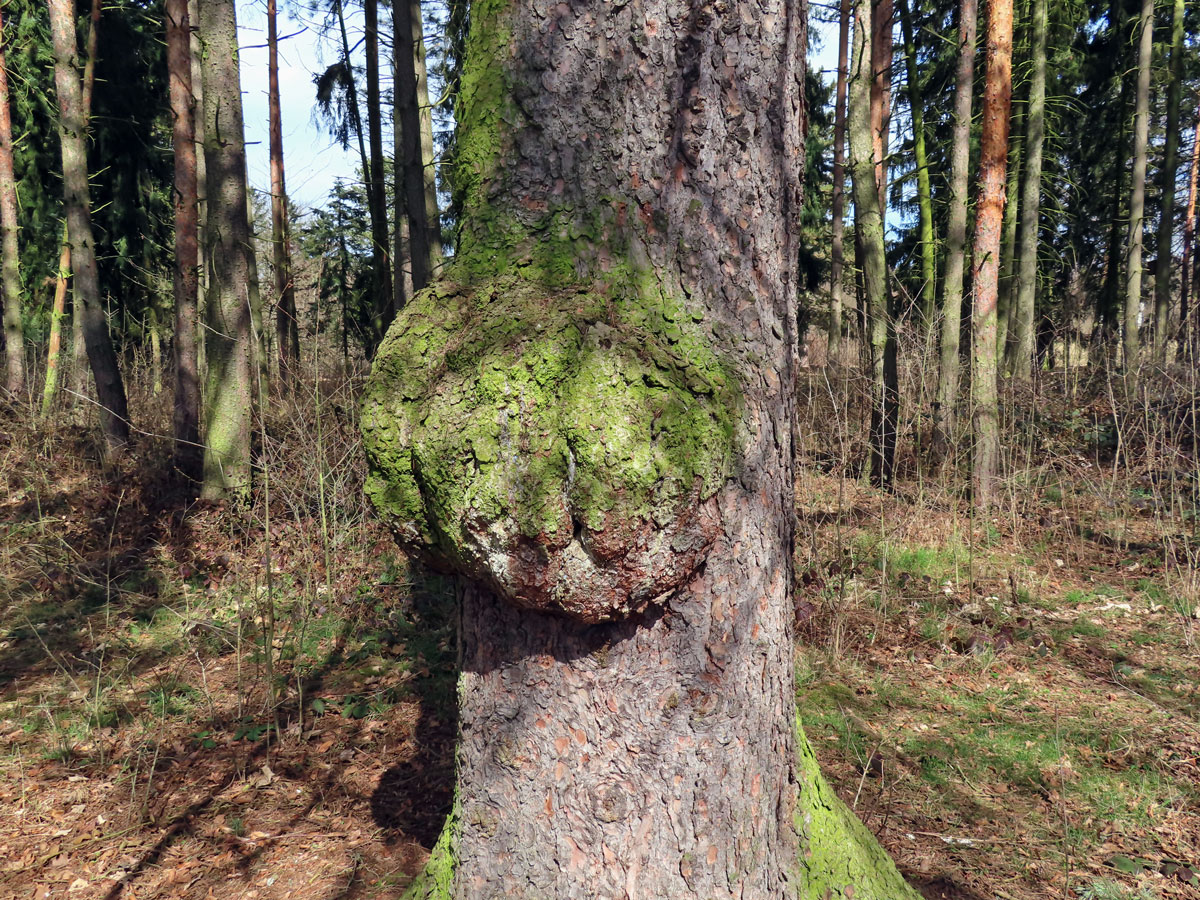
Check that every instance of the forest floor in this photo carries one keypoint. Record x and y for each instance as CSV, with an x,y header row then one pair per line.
x,y
191,709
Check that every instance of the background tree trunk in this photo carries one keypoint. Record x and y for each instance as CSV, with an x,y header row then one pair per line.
x,y
10,259
1031,197
924,190
1189,233
424,247
989,220
381,267
1137,200
956,231
228,337
628,732
287,334
837,239
186,414
1166,222
110,389
881,325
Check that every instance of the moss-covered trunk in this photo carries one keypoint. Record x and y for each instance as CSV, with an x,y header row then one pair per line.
x,y
949,367
232,287
589,418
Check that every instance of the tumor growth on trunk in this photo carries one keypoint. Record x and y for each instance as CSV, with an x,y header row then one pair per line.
x,y
589,419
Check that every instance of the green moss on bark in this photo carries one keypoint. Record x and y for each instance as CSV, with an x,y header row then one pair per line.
x,y
520,411
436,881
839,857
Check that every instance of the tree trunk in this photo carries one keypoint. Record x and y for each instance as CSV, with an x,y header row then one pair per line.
x,y
1189,234
186,413
424,244
989,220
837,250
57,314
228,334
956,231
881,93
1108,301
875,104
287,333
110,389
1166,222
383,308
1007,301
10,260
1031,196
924,190
1137,200
624,528
381,269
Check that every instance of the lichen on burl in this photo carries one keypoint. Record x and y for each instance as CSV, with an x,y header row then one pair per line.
x,y
560,443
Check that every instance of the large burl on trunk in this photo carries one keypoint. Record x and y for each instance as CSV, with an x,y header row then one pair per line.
x,y
590,419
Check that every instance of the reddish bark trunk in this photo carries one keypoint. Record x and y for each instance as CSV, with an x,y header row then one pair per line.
x,y
1189,231
989,221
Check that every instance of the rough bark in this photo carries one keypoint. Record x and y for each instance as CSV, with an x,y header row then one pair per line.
x,y
10,259
228,333
924,189
837,251
989,220
110,389
287,333
1137,198
1166,222
1108,300
590,419
423,241
186,411
1031,196
1189,233
381,264
944,412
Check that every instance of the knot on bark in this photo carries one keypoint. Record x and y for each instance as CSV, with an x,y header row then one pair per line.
x,y
562,447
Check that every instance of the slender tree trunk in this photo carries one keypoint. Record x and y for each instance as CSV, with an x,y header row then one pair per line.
x,y
1137,200
381,269
1031,196
956,230
1007,302
1189,233
186,413
228,334
57,314
110,389
626,700
81,386
287,334
881,93
10,258
1166,222
868,221
924,191
989,220
837,249
411,160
